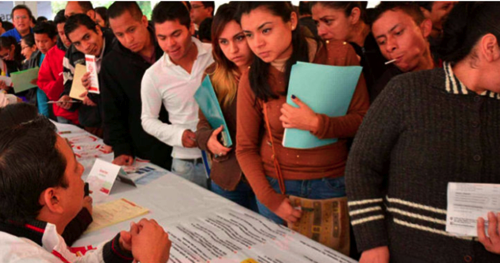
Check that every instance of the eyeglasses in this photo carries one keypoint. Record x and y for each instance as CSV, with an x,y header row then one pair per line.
x,y
20,17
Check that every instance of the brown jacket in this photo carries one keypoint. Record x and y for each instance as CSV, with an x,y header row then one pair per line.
x,y
253,147
226,171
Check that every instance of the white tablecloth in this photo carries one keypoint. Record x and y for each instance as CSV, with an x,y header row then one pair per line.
x,y
205,227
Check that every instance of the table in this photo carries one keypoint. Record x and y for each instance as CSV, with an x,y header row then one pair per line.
x,y
205,227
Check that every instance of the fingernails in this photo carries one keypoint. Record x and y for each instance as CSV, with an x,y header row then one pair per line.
x,y
293,96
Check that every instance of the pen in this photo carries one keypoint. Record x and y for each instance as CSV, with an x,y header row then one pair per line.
x,y
53,101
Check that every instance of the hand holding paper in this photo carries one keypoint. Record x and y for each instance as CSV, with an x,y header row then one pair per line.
x,y
214,145
325,90
5,82
22,80
302,118
64,102
86,80
492,241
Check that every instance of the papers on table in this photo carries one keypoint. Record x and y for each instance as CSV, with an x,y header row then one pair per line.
x,y
231,235
141,172
209,105
7,80
21,80
114,212
325,89
467,202
202,225
92,68
77,88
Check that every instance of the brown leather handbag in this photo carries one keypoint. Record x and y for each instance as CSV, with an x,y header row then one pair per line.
x,y
325,221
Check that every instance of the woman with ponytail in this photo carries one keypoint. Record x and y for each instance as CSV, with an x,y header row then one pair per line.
x,y
427,129
232,57
274,37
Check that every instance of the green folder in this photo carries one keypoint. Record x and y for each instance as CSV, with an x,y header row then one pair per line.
x,y
21,79
325,89
209,105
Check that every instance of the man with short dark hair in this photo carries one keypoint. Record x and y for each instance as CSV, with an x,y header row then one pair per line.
x,y
401,32
437,12
171,82
50,76
305,17
79,7
136,50
201,10
87,38
205,31
21,17
41,191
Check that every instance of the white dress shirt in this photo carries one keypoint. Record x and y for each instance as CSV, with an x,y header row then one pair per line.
x,y
169,84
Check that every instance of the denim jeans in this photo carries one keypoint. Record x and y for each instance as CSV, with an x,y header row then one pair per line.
x,y
194,172
312,189
242,195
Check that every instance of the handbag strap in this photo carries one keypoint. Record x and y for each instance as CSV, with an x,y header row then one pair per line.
x,y
277,167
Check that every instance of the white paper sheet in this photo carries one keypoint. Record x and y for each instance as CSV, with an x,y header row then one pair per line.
x,y
467,202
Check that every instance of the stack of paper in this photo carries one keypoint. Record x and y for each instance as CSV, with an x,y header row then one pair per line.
x,y
114,212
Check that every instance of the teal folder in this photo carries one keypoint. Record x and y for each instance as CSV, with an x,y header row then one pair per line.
x,y
209,105
325,89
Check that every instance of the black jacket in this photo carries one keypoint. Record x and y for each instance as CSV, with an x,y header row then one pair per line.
x,y
373,63
120,79
88,116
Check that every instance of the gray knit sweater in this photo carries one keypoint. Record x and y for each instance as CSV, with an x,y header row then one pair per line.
x,y
424,130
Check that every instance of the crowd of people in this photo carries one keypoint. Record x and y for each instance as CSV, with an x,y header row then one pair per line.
x,y
425,112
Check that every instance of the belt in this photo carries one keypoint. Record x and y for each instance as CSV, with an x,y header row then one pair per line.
x,y
195,161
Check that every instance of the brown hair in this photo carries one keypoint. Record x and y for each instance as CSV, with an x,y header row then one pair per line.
x,y
224,78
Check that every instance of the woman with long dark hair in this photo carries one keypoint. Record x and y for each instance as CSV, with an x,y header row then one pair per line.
x,y
273,35
232,57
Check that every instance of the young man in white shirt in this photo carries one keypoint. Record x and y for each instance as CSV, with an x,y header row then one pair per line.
x,y
172,82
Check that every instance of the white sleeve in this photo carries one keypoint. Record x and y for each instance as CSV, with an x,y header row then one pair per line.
x,y
151,105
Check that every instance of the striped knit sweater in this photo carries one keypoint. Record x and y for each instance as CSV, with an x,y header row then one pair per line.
x,y
425,129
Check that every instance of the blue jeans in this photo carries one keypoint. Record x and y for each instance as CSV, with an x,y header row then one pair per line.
x,y
242,195
192,171
312,189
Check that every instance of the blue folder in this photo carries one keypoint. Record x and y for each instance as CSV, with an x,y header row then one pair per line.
x,y
209,105
325,89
